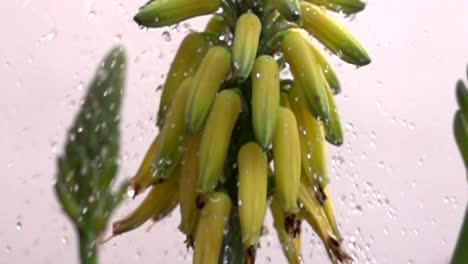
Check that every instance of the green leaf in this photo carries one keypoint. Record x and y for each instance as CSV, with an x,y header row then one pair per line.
x,y
109,204
460,128
69,204
460,255
90,161
462,98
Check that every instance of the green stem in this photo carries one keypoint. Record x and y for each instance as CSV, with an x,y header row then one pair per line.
x,y
88,248
233,251
460,256
229,14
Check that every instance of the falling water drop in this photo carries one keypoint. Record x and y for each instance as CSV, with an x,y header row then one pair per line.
x,y
167,36
49,36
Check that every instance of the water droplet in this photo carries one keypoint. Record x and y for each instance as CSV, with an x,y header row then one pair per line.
x,y
403,231
381,164
80,86
49,36
19,226
389,168
131,192
357,209
425,33
91,14
90,9
446,200
421,204
138,254
118,38
420,161
166,36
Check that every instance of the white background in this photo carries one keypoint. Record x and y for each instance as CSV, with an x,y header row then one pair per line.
x,y
399,183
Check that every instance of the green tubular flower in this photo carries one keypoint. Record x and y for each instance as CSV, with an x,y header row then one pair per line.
x,y
210,228
216,138
314,156
313,213
312,140
265,99
289,9
252,194
306,72
213,70
244,50
342,6
291,244
159,13
189,55
216,24
333,35
287,160
173,133
144,176
187,193
330,213
159,202
333,128
327,69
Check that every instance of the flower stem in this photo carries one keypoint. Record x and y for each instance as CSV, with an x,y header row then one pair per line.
x,y
460,255
88,248
232,252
